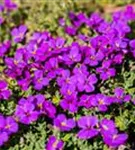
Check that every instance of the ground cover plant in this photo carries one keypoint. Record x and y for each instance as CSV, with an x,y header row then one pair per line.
x,y
73,90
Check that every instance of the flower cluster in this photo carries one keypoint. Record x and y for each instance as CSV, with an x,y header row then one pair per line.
x,y
28,110
75,70
54,143
110,133
8,126
89,128
7,6
4,91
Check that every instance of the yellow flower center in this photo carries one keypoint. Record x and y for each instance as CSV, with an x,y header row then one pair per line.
x,y
39,80
67,80
8,126
92,57
101,102
115,136
40,106
55,144
15,62
34,52
63,124
69,92
105,127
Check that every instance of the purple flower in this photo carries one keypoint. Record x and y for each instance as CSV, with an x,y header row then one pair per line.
x,y
120,44
107,126
70,30
87,125
52,67
80,77
49,109
100,43
39,80
94,20
62,22
3,137
65,78
24,83
16,65
110,133
10,125
118,59
4,48
38,52
39,101
73,56
132,43
32,49
54,144
106,71
129,13
69,103
19,33
81,70
63,123
121,27
80,81
25,112
60,42
19,59
51,43
2,122
120,95
3,134
4,91
104,27
77,20
115,139
10,5
68,90
41,105
12,71
101,101
67,83
85,101
87,84
1,8
93,57
82,37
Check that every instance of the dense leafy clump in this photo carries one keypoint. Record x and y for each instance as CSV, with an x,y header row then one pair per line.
x,y
71,92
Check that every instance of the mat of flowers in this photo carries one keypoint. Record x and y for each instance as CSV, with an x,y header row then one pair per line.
x,y
44,65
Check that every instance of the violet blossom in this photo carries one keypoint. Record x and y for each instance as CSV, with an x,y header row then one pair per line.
x,y
88,127
64,124
54,144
